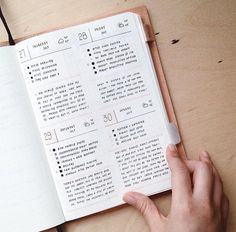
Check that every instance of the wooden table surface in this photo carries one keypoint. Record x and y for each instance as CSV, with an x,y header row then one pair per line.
x,y
200,70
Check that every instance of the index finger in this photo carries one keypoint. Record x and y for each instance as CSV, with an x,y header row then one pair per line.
x,y
180,176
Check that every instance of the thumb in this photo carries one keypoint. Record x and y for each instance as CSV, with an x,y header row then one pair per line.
x,y
147,208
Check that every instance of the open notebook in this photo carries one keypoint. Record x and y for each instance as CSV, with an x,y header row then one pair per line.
x,y
82,121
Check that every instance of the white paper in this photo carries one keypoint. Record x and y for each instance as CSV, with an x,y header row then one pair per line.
x,y
28,199
99,111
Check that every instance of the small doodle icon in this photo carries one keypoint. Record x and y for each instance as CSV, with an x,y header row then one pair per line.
x,y
145,105
61,41
87,124
120,25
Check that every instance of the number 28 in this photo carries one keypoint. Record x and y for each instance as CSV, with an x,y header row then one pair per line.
x,y
82,36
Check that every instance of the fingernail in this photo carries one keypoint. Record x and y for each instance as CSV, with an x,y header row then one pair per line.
x,y
205,154
128,198
172,147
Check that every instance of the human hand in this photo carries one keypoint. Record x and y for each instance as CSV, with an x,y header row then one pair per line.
x,y
198,201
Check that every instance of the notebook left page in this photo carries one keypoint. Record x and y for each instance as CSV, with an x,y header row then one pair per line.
x,y
28,200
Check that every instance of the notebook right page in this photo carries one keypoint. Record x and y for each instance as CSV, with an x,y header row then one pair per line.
x,y
140,130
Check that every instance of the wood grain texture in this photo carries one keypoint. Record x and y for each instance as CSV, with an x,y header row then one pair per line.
x,y
200,70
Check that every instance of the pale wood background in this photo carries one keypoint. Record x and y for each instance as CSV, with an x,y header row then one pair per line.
x,y
200,70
